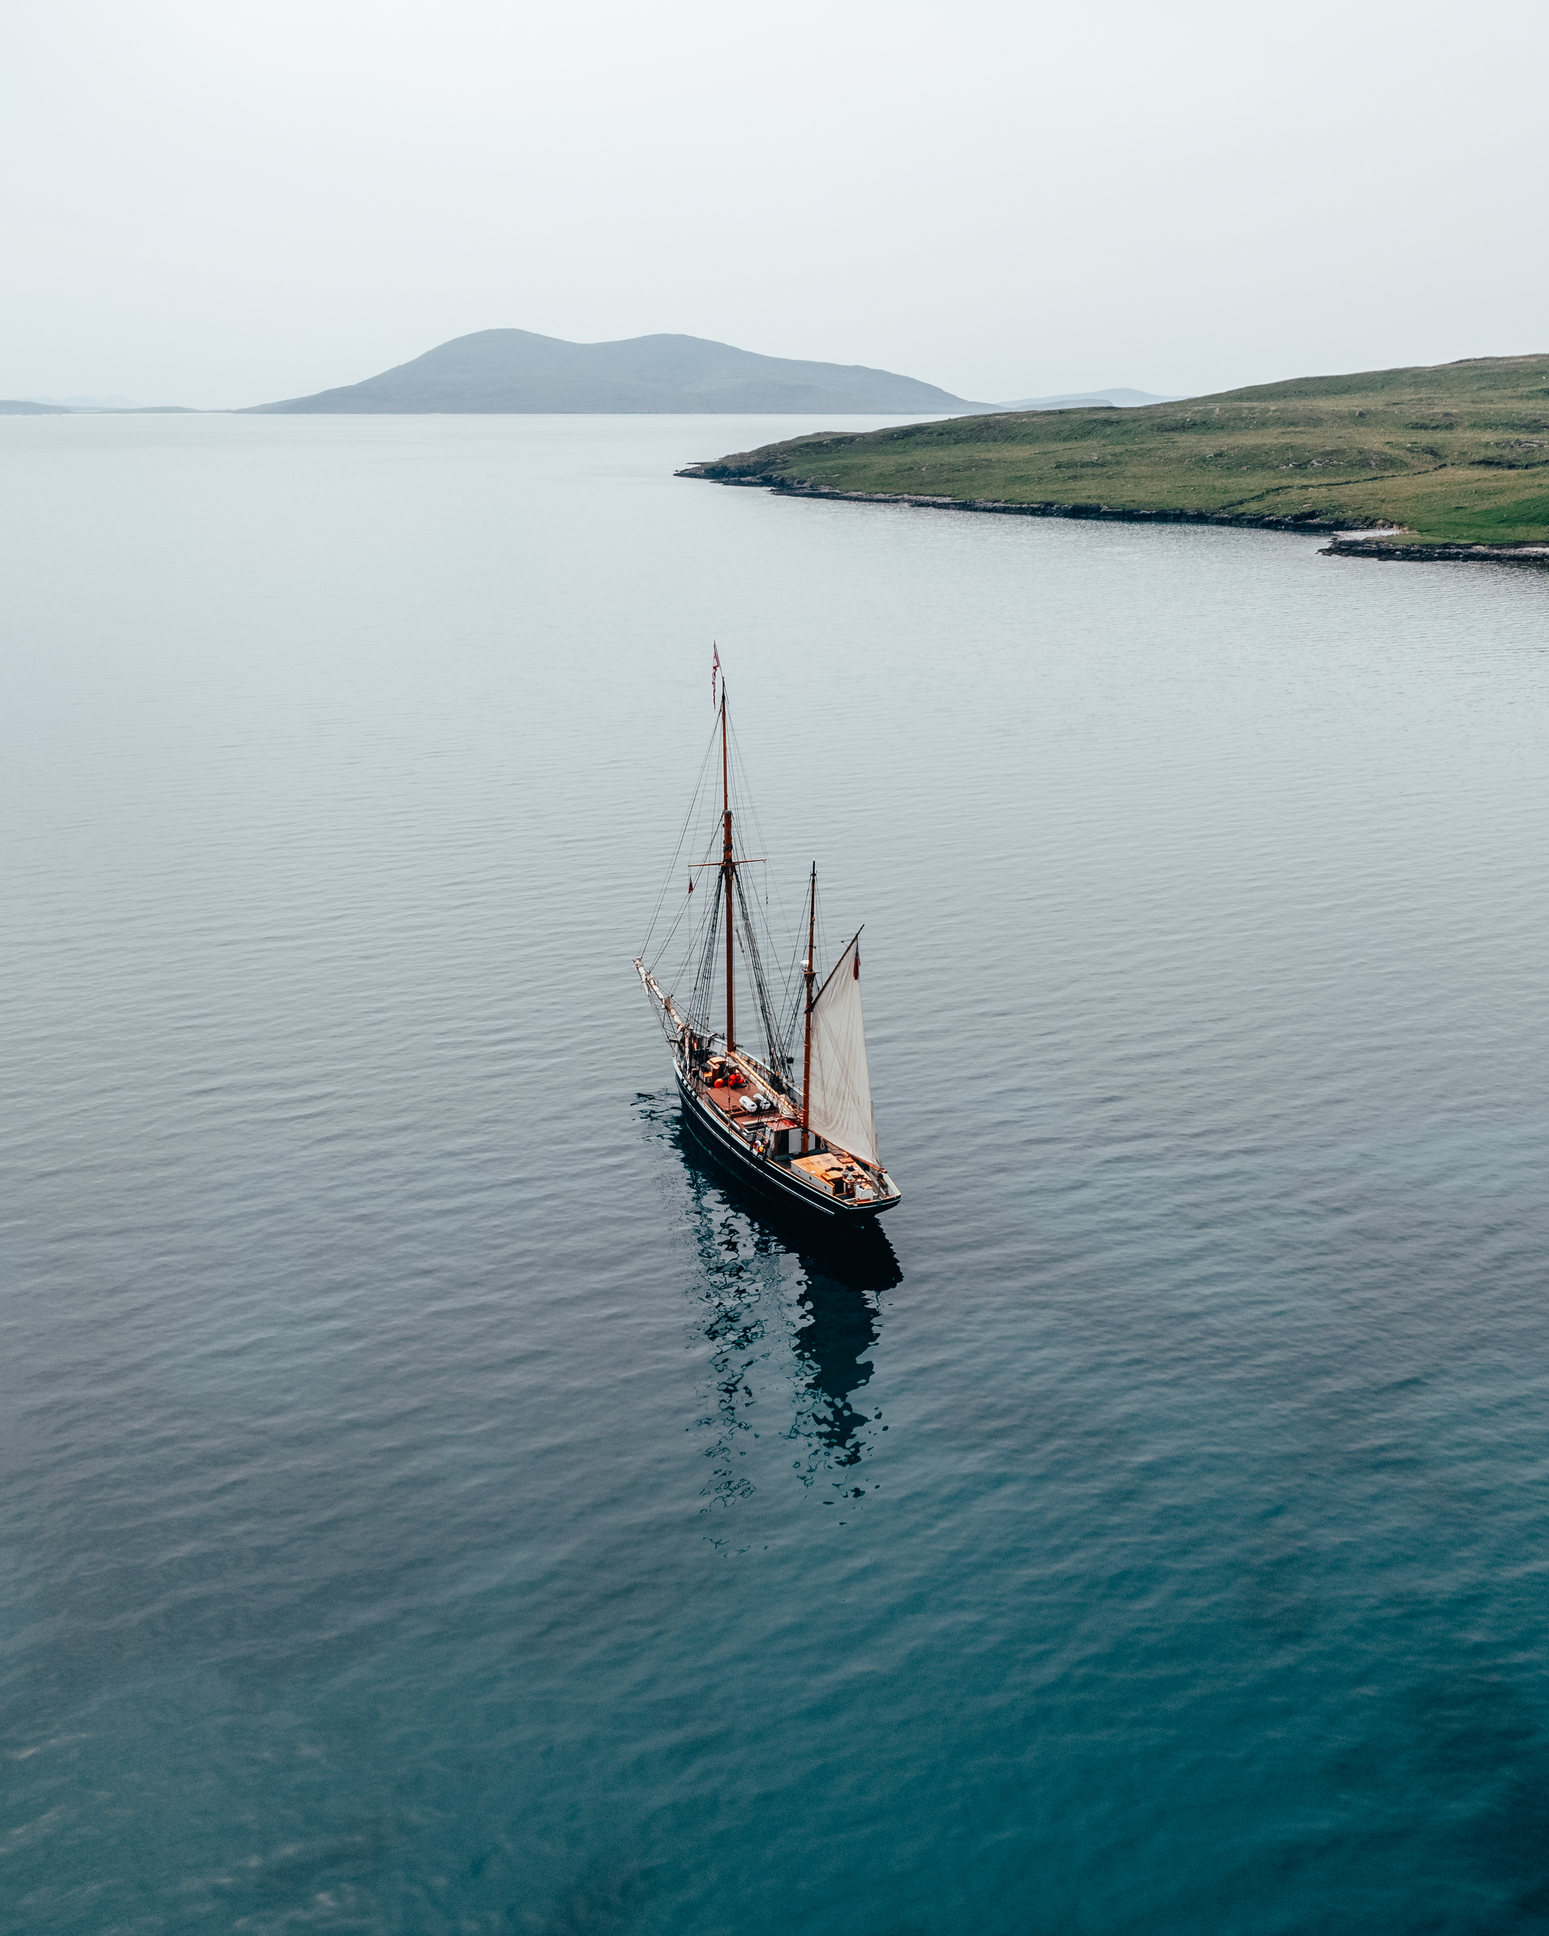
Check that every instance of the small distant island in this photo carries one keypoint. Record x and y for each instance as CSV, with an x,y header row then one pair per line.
x,y
514,370
1084,399
1446,461
35,407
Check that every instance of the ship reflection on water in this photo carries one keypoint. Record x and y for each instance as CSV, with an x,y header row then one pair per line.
x,y
837,1329
779,1297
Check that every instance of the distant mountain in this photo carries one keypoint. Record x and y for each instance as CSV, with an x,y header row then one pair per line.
x,y
26,407
498,370
1086,399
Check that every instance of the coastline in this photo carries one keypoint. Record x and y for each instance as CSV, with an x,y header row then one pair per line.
x,y
1437,554
1339,546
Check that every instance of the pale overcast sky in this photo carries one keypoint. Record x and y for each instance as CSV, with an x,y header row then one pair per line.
x,y
227,201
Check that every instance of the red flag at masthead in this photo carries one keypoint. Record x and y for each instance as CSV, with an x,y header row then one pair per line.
x,y
715,670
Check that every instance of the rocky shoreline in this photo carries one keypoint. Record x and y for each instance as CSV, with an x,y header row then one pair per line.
x,y
1339,546
1438,554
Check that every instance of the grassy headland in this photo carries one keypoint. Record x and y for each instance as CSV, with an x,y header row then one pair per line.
x,y
1457,454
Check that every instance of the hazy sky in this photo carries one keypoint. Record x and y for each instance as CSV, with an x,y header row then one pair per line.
x,y
224,202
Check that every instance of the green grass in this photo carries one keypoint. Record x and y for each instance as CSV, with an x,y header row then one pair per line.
x,y
1458,453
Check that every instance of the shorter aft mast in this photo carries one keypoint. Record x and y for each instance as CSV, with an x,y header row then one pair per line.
x,y
817,1148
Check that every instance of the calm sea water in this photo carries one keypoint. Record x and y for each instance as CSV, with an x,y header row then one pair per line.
x,y
433,1503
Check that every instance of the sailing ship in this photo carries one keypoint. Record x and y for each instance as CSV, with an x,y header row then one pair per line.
x,y
810,1142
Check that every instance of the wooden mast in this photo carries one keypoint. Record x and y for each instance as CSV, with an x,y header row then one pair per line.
x,y
806,1046
728,870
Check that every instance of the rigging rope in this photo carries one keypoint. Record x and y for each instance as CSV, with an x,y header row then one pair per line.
x,y
776,1053
704,981
677,852
704,935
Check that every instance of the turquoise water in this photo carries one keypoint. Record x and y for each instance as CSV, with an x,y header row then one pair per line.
x,y
433,1503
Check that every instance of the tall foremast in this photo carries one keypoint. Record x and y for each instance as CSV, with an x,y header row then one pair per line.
x,y
728,875
809,976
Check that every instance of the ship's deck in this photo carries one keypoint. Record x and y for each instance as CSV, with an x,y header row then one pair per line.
x,y
832,1174
767,1141
840,1176
730,1103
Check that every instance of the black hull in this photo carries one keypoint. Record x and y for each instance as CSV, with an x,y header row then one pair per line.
x,y
767,1176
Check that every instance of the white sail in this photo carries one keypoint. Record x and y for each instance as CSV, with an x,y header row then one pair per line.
x,y
839,1096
